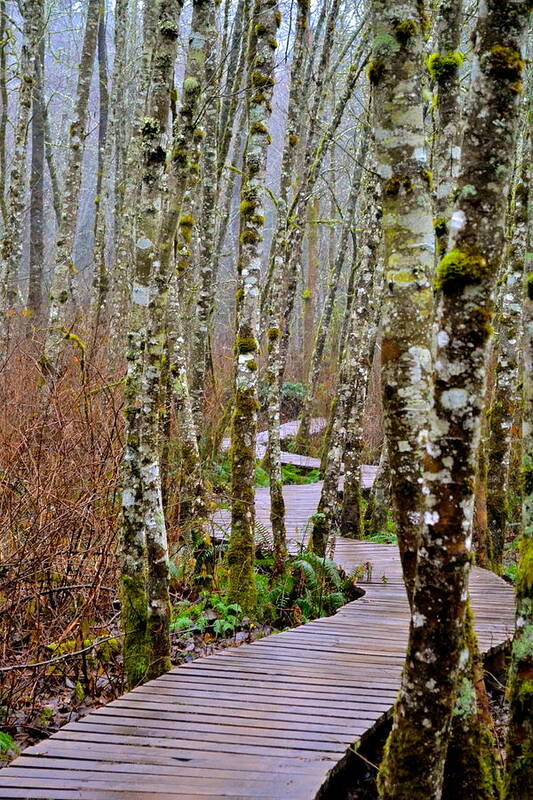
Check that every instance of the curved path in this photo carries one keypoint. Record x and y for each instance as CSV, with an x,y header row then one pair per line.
x,y
269,720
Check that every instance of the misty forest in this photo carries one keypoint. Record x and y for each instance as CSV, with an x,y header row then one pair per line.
x,y
266,400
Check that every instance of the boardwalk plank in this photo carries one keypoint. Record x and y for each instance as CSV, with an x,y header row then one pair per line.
x,y
266,720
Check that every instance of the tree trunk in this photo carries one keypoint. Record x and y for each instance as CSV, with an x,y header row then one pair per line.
x,y
35,280
62,289
261,61
313,372
519,762
395,75
438,649
11,244
145,605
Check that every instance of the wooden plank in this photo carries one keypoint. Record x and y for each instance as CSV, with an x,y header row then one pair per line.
x,y
264,720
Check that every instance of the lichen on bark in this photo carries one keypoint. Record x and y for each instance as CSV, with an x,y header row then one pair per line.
x,y
261,65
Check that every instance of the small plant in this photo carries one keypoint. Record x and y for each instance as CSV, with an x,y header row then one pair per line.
x,y
295,475
211,611
310,587
8,747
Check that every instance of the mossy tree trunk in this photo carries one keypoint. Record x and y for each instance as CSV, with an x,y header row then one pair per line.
x,y
443,66
275,282
145,606
438,648
395,74
34,303
505,399
183,167
351,391
11,243
62,291
290,147
207,229
313,373
376,516
368,314
261,63
519,772
112,108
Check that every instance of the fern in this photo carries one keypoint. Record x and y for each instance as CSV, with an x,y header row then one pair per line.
x,y
307,571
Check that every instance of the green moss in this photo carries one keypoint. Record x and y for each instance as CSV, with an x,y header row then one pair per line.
x,y
169,29
277,17
293,139
259,127
375,71
134,619
260,29
392,186
384,45
458,269
247,207
273,334
179,155
252,366
249,237
507,64
306,294
260,80
150,127
186,224
425,20
273,43
440,226
404,31
190,85
427,177
257,219
246,344
442,68
319,534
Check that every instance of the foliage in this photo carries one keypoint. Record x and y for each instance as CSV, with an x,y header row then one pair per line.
x,y
211,613
8,746
291,398
309,587
295,475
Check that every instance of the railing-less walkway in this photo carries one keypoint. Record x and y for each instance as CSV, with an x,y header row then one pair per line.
x,y
267,720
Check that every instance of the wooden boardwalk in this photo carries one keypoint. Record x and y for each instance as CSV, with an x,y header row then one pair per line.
x,y
268,720
289,429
